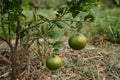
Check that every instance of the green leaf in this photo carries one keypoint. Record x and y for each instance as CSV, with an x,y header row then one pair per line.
x,y
117,1
43,17
89,17
69,0
55,50
58,44
28,15
60,24
22,35
56,34
97,3
13,27
75,13
79,25
61,10
25,3
13,17
44,28
84,8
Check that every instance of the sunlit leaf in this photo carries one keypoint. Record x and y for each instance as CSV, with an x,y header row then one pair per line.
x,y
58,44
44,28
60,24
55,34
117,1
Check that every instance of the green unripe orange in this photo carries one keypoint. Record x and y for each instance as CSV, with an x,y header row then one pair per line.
x,y
53,62
77,41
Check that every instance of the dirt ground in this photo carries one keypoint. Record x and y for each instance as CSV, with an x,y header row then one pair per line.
x,y
101,62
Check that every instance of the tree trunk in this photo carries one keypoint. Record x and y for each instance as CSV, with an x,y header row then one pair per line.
x,y
15,66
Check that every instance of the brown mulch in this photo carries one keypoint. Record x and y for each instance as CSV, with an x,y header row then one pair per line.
x,y
91,63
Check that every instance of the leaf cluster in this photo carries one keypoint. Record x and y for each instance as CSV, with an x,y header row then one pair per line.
x,y
15,24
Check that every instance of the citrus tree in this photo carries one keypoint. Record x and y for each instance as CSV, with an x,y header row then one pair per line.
x,y
20,21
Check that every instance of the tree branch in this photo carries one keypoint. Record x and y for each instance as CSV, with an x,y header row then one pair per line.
x,y
32,25
17,36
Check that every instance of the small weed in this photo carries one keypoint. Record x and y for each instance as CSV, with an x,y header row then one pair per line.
x,y
107,23
66,63
118,57
88,72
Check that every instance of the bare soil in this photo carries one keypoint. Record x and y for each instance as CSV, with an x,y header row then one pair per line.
x,y
101,62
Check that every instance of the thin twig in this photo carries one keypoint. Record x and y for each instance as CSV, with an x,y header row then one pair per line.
x,y
92,57
32,26
5,75
23,72
4,59
17,36
29,64
93,76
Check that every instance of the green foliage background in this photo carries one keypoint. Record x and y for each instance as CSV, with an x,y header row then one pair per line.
x,y
108,23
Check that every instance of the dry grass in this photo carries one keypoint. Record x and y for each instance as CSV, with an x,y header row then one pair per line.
x,y
91,63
